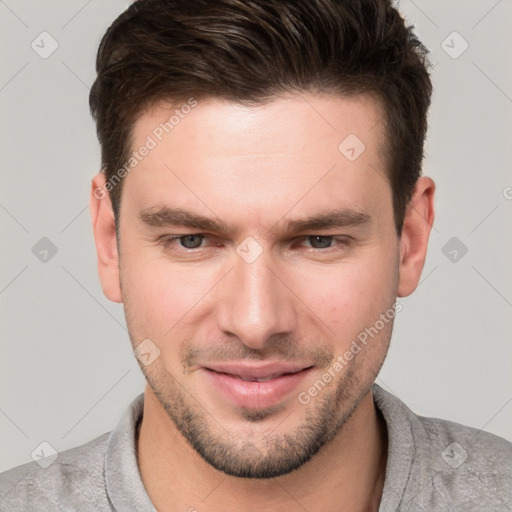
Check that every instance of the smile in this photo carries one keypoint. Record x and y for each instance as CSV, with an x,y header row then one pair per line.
x,y
255,387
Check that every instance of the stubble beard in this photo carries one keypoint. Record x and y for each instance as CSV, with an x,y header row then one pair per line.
x,y
267,455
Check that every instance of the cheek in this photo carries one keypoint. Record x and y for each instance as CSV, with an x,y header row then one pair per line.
x,y
162,294
349,297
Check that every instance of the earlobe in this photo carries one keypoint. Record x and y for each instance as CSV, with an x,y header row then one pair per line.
x,y
103,224
416,229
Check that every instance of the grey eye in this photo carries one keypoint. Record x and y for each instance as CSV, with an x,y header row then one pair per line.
x,y
320,242
191,241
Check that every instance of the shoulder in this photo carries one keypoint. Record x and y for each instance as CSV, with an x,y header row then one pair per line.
x,y
476,452
468,467
76,476
437,464
487,450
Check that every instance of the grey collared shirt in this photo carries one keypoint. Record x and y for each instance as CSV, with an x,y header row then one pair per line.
x,y
432,465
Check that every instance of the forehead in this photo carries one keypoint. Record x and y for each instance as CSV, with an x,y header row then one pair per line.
x,y
288,153
253,129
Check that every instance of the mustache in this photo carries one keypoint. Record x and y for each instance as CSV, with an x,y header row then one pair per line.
x,y
282,348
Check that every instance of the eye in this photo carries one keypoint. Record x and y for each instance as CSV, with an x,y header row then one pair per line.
x,y
320,241
324,245
190,242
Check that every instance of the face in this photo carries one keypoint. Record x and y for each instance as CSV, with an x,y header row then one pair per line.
x,y
255,247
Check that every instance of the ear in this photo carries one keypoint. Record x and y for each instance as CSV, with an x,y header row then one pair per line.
x,y
103,224
418,221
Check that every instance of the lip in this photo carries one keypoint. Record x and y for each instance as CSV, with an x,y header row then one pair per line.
x,y
226,378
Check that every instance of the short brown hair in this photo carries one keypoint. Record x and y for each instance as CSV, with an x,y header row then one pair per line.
x,y
250,51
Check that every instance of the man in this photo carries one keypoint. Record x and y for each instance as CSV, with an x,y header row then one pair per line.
x,y
260,209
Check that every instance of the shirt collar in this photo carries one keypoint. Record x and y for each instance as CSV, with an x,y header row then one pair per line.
x,y
123,480
401,447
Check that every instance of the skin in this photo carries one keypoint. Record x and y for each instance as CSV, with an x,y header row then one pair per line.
x,y
303,299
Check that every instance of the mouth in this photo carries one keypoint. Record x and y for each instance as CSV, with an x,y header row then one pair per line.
x,y
255,387
262,379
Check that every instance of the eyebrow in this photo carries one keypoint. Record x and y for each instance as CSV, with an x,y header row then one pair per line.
x,y
329,219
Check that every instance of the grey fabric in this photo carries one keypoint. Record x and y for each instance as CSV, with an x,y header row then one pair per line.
x,y
433,465
438,465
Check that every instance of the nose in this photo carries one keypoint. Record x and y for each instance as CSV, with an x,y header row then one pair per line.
x,y
255,304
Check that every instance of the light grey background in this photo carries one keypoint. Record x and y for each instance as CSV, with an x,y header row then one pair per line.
x,y
66,369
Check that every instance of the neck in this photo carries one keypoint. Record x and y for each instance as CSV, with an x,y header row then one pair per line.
x,y
347,474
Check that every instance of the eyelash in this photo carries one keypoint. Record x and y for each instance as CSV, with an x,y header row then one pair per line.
x,y
167,240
